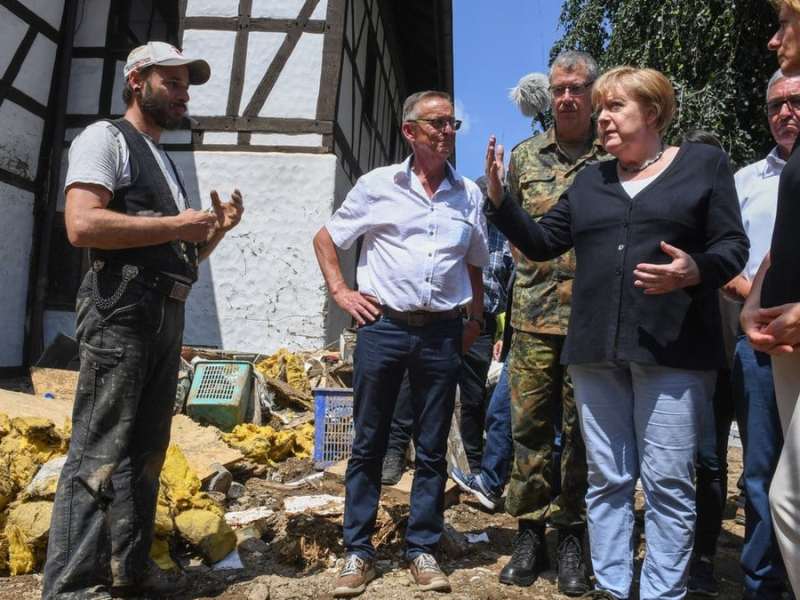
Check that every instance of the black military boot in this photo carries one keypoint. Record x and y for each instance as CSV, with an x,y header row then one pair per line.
x,y
572,577
529,557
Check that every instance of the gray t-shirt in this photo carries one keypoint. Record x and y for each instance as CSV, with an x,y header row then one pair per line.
x,y
100,155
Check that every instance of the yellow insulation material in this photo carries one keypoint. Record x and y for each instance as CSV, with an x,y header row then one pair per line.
x,y
26,530
159,552
208,532
265,445
287,367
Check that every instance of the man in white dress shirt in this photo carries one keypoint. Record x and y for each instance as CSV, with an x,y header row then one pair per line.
x,y
753,389
424,244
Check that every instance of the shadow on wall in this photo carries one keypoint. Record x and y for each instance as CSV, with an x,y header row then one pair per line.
x,y
202,326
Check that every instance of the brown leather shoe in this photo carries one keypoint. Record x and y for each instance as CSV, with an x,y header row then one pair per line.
x,y
425,572
356,573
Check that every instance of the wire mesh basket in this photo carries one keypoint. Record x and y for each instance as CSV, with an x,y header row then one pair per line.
x,y
333,425
220,393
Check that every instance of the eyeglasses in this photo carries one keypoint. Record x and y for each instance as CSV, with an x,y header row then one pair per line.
x,y
441,122
579,89
775,106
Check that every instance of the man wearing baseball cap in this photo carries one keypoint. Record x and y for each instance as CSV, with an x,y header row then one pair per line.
x,y
127,203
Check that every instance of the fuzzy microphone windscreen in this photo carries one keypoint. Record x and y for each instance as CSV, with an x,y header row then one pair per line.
x,y
531,94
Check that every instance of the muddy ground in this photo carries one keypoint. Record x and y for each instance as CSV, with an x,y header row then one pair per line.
x,y
297,557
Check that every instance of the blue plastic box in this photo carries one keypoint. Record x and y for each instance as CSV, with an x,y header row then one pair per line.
x,y
333,425
220,393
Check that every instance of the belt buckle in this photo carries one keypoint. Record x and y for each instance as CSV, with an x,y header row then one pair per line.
x,y
180,291
416,319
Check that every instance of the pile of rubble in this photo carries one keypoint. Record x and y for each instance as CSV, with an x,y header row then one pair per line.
x,y
225,492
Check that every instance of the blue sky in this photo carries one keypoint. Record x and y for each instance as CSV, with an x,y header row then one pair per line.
x,y
496,43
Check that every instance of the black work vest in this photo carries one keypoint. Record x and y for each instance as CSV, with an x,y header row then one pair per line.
x,y
148,191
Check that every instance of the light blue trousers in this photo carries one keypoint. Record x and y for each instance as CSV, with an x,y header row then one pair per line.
x,y
641,422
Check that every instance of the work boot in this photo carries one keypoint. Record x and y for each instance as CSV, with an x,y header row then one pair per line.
x,y
153,581
425,572
572,577
701,577
528,559
356,573
393,465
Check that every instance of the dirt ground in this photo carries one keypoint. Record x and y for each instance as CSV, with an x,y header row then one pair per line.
x,y
297,558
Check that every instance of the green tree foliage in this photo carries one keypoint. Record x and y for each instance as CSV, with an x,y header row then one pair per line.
x,y
714,51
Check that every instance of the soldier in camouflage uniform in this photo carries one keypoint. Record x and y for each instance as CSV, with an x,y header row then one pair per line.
x,y
540,170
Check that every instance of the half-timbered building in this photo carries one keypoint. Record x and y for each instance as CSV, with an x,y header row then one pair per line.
x,y
304,97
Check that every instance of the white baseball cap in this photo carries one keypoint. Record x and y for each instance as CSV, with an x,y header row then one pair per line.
x,y
162,53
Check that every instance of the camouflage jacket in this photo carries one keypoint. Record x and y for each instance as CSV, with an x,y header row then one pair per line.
x,y
539,172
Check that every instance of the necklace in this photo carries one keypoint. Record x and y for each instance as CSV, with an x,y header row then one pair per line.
x,y
645,164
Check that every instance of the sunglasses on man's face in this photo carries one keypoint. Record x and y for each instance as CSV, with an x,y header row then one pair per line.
x,y
775,106
441,122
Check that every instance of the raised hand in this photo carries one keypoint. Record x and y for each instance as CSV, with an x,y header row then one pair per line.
x,y
228,214
662,279
495,171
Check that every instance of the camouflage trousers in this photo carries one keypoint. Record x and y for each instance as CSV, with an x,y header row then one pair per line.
x,y
538,381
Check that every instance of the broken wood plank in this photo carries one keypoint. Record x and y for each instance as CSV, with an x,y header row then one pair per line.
x,y
59,382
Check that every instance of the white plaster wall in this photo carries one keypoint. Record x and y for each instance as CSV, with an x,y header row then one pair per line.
x,y
262,46
49,10
12,30
16,226
216,47
92,23
85,77
286,9
279,139
20,137
262,289
117,103
34,76
55,322
297,89
221,137
212,8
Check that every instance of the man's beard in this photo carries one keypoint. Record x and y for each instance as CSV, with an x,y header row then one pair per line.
x,y
156,106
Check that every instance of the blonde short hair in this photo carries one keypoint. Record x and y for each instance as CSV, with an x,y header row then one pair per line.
x,y
793,4
648,87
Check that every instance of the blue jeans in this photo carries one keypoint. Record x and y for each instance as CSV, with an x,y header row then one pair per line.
x,y
496,461
431,355
640,421
762,439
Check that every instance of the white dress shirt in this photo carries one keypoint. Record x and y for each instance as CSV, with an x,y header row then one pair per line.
x,y
416,249
757,187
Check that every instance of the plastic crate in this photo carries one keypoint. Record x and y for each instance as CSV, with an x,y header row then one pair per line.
x,y
333,425
220,393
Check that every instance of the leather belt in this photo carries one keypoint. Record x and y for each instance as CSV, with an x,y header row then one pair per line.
x,y
163,284
420,318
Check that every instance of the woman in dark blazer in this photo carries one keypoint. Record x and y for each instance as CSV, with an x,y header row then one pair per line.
x,y
656,232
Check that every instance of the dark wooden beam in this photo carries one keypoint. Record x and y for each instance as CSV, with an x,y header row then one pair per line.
x,y
239,59
263,124
332,52
30,17
254,24
10,93
281,57
17,181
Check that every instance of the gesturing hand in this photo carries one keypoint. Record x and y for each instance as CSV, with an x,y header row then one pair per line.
x,y
661,279
228,213
194,225
495,171
362,307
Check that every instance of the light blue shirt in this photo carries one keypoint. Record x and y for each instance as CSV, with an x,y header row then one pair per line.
x,y
416,249
757,187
